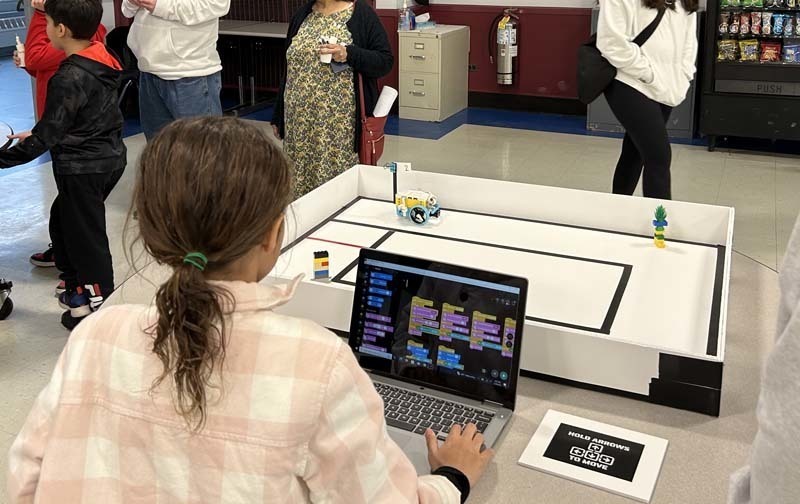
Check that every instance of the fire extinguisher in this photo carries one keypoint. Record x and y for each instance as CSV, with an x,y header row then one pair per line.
x,y
504,45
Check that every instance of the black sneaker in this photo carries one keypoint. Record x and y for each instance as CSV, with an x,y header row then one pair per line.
x,y
70,322
80,304
44,259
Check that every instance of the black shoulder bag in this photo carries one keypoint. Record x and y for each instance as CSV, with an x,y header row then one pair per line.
x,y
595,73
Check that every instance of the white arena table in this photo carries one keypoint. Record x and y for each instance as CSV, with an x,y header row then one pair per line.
x,y
606,309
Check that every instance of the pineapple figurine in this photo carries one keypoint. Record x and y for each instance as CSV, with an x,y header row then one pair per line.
x,y
660,223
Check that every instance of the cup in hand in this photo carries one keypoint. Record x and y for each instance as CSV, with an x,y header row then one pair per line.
x,y
327,58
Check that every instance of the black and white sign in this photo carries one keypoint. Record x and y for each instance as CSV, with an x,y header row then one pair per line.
x,y
604,456
595,451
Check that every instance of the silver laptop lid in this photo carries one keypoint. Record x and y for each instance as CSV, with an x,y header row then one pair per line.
x,y
443,326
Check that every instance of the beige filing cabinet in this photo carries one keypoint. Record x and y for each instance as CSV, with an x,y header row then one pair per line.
x,y
434,63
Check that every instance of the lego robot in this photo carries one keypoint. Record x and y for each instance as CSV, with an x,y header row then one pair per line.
x,y
6,305
418,206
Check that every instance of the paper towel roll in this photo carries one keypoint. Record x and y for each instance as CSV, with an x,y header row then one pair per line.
x,y
385,102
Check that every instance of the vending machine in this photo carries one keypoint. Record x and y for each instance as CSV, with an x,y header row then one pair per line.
x,y
752,64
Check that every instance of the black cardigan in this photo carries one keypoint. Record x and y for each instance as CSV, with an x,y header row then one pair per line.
x,y
370,55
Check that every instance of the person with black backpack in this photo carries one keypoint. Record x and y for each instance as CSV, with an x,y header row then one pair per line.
x,y
652,77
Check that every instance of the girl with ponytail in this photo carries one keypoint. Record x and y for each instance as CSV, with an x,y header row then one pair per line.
x,y
208,395
210,196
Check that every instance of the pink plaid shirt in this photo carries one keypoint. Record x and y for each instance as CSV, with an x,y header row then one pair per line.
x,y
293,418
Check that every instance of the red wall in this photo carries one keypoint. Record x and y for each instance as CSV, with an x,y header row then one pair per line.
x,y
549,39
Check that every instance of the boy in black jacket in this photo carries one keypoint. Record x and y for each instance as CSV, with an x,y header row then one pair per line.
x,y
82,128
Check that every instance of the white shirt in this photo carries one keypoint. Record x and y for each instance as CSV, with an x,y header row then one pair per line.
x,y
664,66
178,39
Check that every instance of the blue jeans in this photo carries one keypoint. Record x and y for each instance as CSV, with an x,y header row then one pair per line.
x,y
163,101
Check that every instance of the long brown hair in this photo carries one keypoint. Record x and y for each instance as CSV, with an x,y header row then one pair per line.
x,y
213,186
688,5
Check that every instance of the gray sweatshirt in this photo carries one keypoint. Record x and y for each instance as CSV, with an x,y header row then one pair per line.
x,y
773,476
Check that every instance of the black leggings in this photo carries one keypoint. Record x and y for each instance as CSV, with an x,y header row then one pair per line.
x,y
646,144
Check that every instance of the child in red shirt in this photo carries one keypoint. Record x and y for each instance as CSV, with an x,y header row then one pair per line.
x,y
41,59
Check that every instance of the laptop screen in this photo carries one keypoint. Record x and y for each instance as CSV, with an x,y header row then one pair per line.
x,y
449,327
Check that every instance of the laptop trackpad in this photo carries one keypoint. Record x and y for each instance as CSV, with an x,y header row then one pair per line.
x,y
413,445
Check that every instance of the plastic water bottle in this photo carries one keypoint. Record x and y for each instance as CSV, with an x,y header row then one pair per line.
x,y
407,19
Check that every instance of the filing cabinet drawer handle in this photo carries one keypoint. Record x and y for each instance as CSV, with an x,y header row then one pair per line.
x,y
417,57
417,93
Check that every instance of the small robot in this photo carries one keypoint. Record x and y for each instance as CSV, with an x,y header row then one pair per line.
x,y
419,206
6,305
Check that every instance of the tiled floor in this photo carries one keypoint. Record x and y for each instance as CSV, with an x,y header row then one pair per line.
x,y
763,188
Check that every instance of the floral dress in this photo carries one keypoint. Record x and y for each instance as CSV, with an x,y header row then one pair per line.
x,y
320,105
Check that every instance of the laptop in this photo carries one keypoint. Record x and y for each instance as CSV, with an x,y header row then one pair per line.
x,y
441,343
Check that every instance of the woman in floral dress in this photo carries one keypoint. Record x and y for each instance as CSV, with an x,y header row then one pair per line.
x,y
317,112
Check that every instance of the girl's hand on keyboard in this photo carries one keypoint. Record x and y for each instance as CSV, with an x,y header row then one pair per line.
x,y
463,450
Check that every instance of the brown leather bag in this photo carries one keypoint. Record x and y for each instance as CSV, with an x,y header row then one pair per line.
x,y
370,146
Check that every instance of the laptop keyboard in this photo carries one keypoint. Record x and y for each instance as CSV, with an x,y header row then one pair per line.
x,y
415,412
